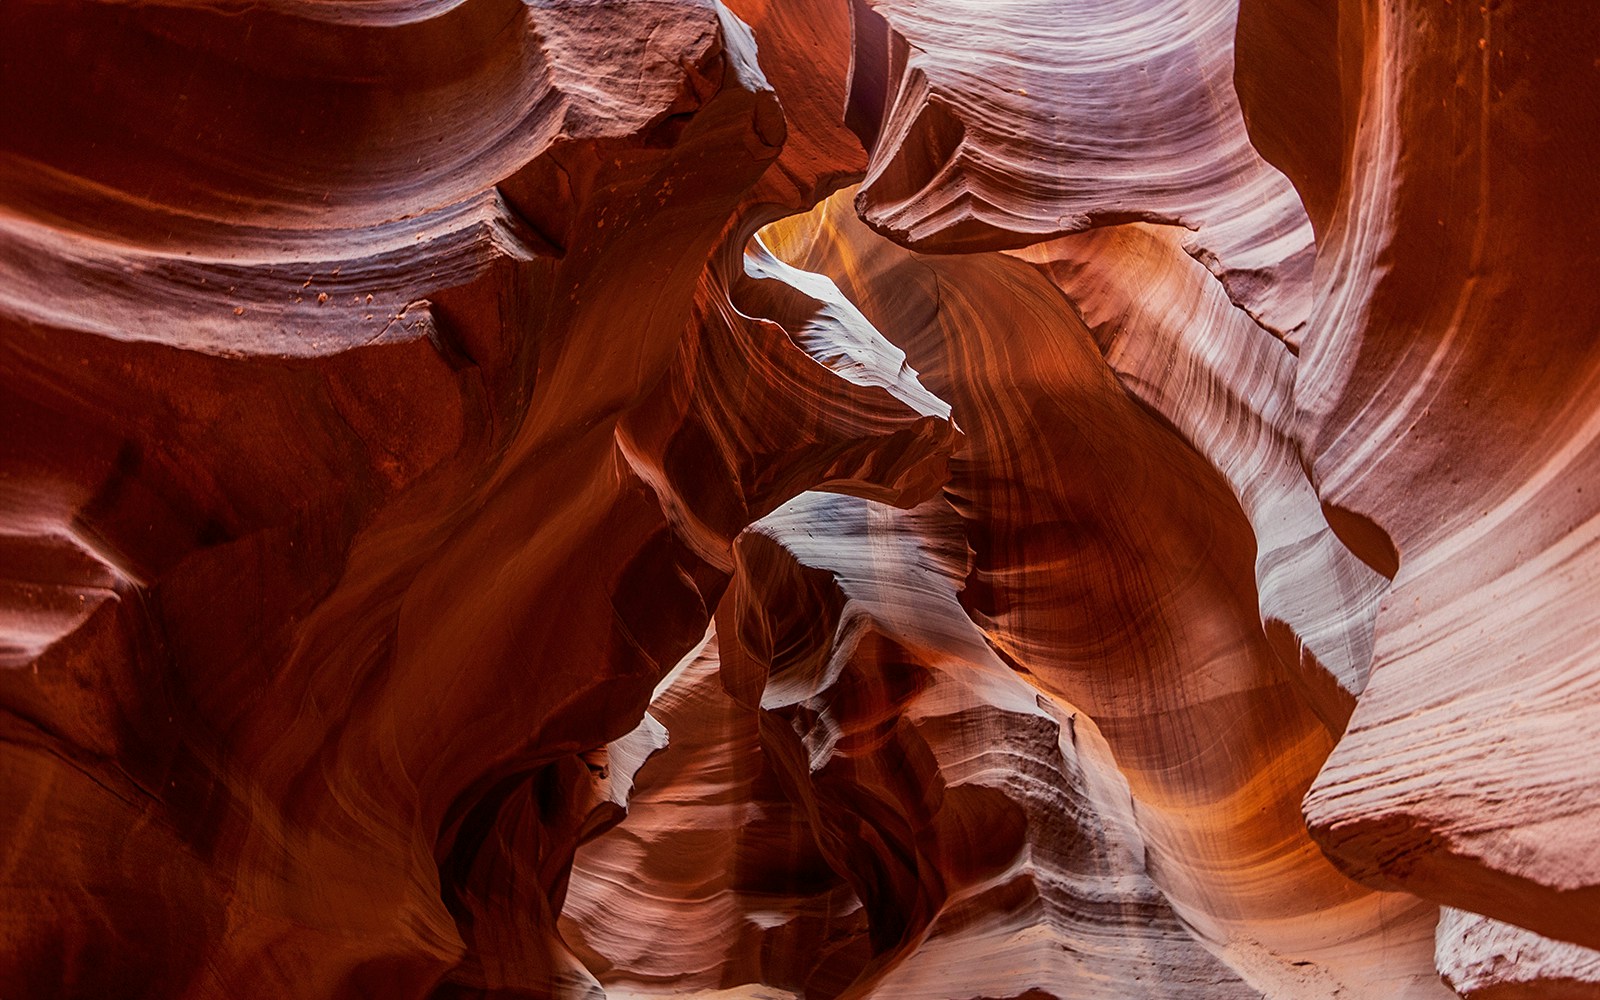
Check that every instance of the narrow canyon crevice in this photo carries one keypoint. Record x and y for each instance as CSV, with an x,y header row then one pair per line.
x,y
799,500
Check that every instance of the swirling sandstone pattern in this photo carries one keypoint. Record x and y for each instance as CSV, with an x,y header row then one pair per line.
x,y
799,499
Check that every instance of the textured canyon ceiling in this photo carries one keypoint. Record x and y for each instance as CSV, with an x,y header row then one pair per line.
x,y
903,499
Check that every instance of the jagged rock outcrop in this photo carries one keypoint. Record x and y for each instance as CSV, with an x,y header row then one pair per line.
x,y
1483,958
841,498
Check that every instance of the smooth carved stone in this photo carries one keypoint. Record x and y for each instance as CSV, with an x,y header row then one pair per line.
x,y
487,510
1180,346
1008,124
1115,568
1467,209
714,867
302,696
971,835
805,53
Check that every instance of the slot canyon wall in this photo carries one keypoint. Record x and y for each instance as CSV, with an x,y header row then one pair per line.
x,y
799,499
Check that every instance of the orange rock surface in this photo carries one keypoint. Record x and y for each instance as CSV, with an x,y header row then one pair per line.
x,y
904,499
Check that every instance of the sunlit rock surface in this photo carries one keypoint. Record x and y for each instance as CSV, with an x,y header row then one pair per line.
x,y
827,498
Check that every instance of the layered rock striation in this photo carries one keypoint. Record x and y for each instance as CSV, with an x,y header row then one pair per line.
x,y
827,499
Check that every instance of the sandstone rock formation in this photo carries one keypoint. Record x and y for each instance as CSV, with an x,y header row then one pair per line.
x,y
799,499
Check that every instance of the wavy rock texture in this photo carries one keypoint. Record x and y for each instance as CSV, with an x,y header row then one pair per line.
x,y
854,498
1118,577
1010,124
942,808
1461,225
292,507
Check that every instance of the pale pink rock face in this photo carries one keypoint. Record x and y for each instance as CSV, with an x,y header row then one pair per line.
x,y
799,499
